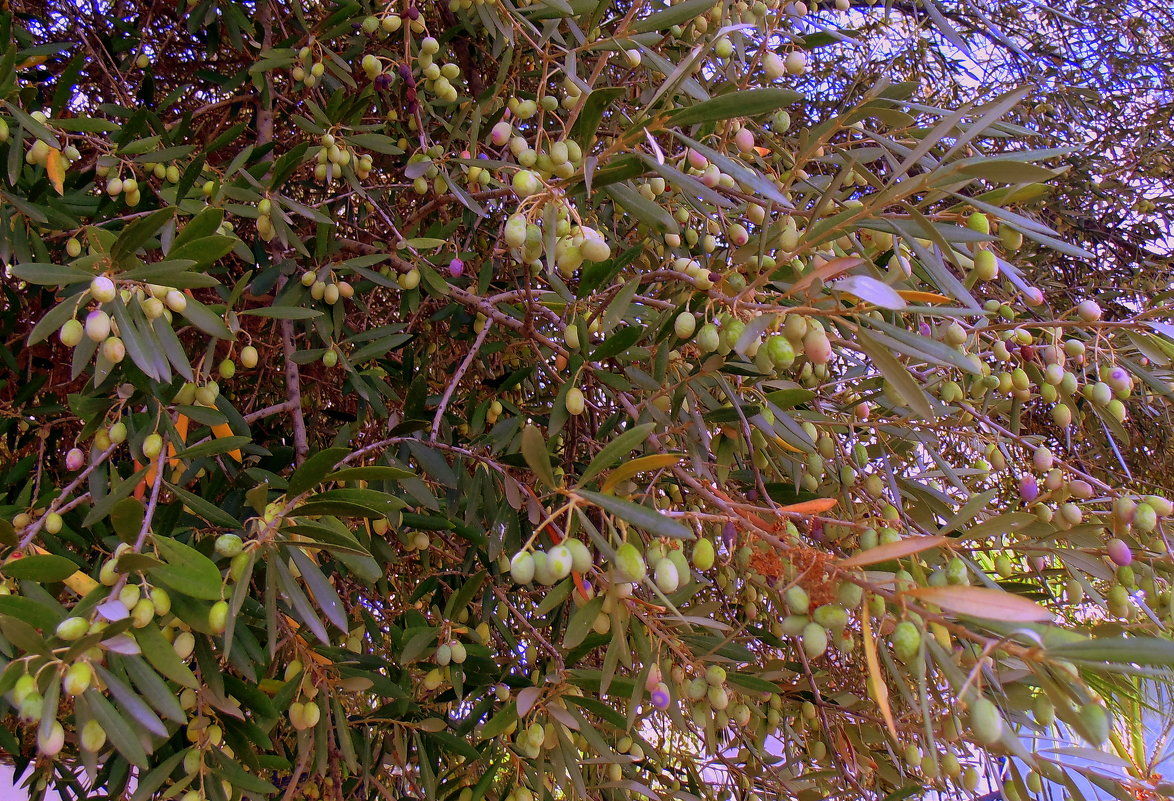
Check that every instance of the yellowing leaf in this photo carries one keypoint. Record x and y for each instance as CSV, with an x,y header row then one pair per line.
x,y
55,169
982,602
656,461
880,690
893,550
79,582
917,296
782,443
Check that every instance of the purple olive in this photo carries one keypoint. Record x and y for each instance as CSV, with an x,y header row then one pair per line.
x,y
660,699
456,268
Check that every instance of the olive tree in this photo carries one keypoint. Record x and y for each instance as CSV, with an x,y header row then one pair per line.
x,y
589,399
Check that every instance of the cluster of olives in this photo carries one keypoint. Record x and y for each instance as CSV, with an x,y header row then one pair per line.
x,y
324,287
573,244
330,158
548,567
99,327
205,394
309,69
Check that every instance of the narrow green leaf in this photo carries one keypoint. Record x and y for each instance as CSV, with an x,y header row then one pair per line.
x,y
44,568
50,274
162,656
615,450
130,703
1127,650
324,594
673,15
314,470
187,570
641,516
897,374
741,103
536,455
122,736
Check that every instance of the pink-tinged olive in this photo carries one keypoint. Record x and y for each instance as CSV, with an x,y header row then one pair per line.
x,y
1088,310
1042,459
97,325
744,140
51,741
102,289
1028,487
1119,552
816,347
113,350
74,459
500,133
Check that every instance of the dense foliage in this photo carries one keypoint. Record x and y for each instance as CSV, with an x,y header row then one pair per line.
x,y
602,399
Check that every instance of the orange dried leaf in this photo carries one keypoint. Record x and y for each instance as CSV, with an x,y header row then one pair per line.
x,y
982,602
812,507
224,430
880,690
917,296
55,169
894,550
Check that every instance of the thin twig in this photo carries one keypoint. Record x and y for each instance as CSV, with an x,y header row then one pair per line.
x,y
457,376
57,502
